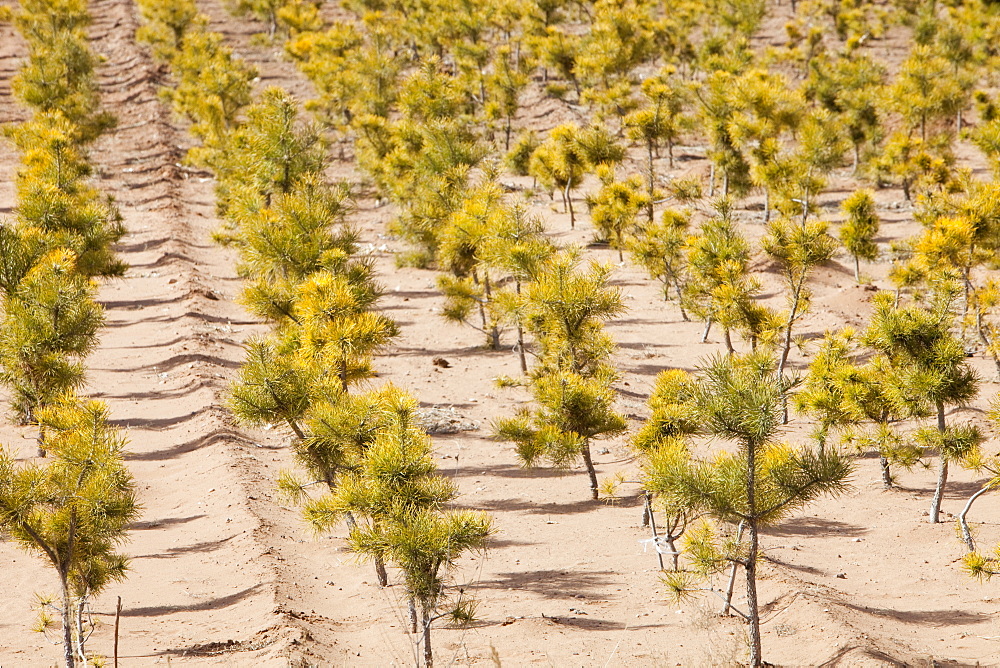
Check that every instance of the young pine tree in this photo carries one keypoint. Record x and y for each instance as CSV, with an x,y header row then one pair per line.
x,y
739,399
397,496
49,326
798,249
517,250
661,249
930,362
565,308
73,511
859,230
615,207
572,410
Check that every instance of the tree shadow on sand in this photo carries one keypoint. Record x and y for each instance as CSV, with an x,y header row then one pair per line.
x,y
211,604
931,618
814,526
551,584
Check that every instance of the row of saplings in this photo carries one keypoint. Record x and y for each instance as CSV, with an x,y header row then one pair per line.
x,y
365,454
73,508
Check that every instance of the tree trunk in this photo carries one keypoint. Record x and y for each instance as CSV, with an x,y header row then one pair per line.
x,y
675,557
767,205
590,469
81,639
711,180
520,349
652,181
680,300
728,340
652,525
412,605
857,158
753,614
67,623
886,475
857,270
118,616
380,573
428,651
942,471
494,330
793,314
40,441
569,205
708,326
732,574
296,429
962,522
383,577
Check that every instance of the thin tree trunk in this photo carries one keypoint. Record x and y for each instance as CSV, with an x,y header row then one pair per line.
x,y
767,205
732,573
380,572
675,558
81,640
118,615
886,475
480,303
942,471
728,340
296,429
383,577
67,623
711,180
962,522
857,270
680,299
857,158
670,152
494,330
412,605
652,180
40,441
590,470
652,525
342,373
753,613
708,326
428,650
967,289
520,349
787,345
569,205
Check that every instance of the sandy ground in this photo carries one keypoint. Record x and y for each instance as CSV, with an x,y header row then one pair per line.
x,y
223,574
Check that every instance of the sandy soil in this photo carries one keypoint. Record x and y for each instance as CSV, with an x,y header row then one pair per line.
x,y
222,574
